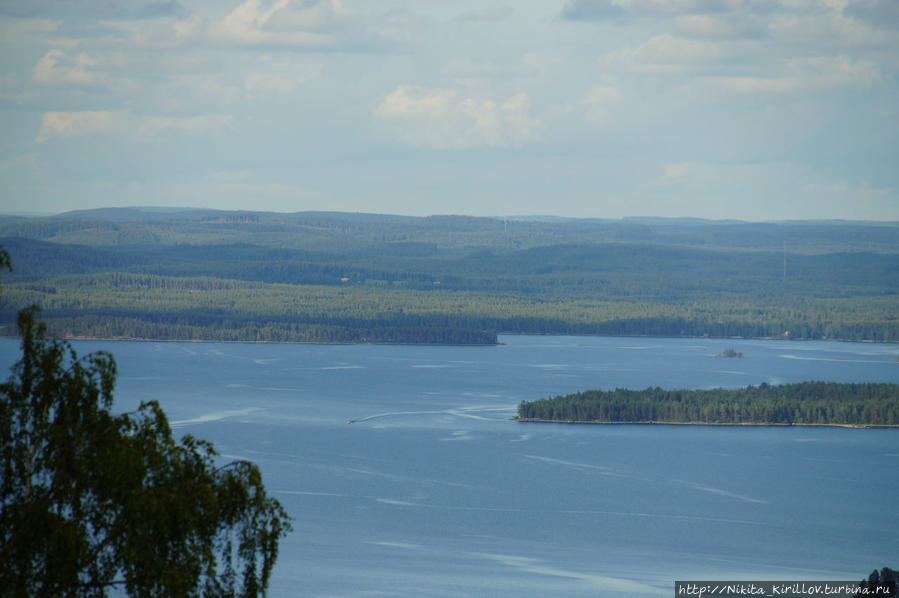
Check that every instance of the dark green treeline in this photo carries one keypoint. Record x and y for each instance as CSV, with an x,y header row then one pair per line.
x,y
821,403
319,277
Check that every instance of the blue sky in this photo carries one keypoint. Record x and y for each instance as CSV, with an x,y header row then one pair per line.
x,y
756,110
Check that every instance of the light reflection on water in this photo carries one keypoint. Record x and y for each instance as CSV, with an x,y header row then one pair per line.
x,y
433,491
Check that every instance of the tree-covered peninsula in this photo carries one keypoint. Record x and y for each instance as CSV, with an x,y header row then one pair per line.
x,y
805,403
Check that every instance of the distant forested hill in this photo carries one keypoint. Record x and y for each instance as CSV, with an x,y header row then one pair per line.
x,y
331,277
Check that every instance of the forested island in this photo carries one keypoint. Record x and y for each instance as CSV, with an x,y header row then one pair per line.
x,y
169,274
804,403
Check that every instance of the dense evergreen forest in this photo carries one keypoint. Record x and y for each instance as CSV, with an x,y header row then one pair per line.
x,y
805,403
328,277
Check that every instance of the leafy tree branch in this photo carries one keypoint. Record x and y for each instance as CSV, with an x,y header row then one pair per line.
x,y
91,500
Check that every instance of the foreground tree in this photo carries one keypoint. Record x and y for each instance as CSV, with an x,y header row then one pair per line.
x,y
877,582
91,500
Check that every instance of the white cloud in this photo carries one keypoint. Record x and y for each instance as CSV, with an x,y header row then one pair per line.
x,y
674,83
276,24
16,90
675,172
766,191
268,83
808,75
283,23
852,201
192,93
76,124
718,27
56,68
843,188
826,25
72,124
494,13
880,13
663,53
446,119
750,191
19,30
280,77
150,125
64,75
598,10
597,102
721,177
27,161
473,70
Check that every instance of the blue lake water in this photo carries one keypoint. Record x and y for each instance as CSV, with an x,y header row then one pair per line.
x,y
434,491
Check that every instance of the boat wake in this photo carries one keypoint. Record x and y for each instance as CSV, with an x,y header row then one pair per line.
x,y
464,412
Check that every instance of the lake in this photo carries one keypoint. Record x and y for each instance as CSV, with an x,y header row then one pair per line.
x,y
432,490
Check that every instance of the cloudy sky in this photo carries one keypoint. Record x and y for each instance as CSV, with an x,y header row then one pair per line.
x,y
756,110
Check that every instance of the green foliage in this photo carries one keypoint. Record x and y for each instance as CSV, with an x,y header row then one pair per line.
x,y
878,581
366,278
122,305
803,403
90,500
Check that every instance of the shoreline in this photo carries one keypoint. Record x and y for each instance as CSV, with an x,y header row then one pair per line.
x,y
708,424
706,337
128,339
497,344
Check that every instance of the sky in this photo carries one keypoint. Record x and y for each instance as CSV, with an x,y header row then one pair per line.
x,y
737,109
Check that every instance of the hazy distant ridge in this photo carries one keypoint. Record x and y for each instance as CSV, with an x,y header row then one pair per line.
x,y
343,277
